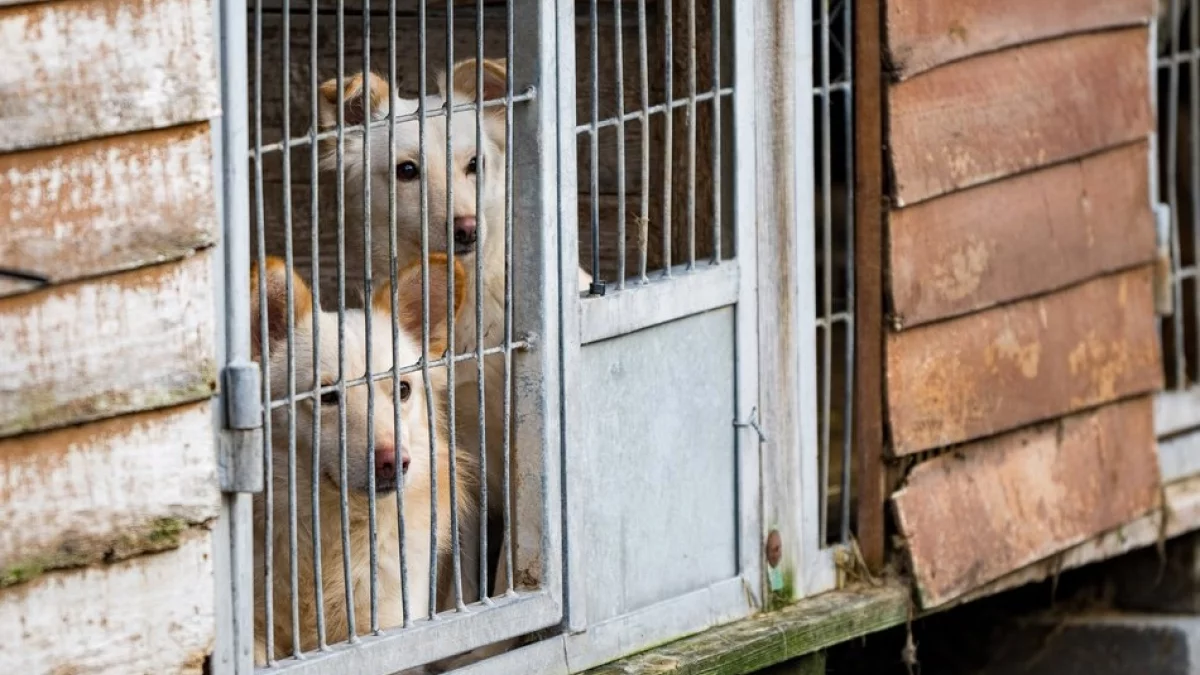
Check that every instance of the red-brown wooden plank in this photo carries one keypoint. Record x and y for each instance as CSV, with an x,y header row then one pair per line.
x,y
973,515
1002,368
994,115
1021,236
923,34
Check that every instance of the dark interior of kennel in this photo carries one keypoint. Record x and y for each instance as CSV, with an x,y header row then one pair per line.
x,y
294,45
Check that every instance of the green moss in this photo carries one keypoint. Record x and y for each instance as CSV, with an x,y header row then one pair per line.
x,y
784,595
20,572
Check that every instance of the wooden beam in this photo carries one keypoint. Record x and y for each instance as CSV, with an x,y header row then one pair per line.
x,y
868,279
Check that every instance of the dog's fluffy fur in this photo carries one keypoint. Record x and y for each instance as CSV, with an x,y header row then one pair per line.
x,y
414,439
369,99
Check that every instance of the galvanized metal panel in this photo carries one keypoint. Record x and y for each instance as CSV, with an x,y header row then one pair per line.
x,y
657,452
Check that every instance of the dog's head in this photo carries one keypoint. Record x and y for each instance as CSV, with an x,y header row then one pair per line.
x,y
316,363
453,217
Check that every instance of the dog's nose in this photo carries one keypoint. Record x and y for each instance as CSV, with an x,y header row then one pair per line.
x,y
385,462
464,230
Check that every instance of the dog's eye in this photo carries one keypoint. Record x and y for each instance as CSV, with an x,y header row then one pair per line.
x,y
405,390
473,166
407,171
329,397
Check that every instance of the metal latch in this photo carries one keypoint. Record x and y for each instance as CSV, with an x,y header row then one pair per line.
x,y
752,422
1164,294
241,457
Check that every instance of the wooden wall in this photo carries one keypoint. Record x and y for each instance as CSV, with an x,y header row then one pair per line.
x,y
295,29
107,336
1022,350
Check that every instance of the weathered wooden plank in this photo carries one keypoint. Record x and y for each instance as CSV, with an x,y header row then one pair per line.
x,y
1021,236
972,515
88,350
976,375
87,68
1017,109
928,33
105,491
101,206
770,638
151,614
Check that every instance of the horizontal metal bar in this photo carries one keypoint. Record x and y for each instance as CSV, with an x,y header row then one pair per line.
x,y
427,641
640,114
388,374
721,603
1176,411
838,87
837,317
1179,457
641,306
298,141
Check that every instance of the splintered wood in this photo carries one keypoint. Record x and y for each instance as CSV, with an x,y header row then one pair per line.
x,y
993,115
988,508
1036,359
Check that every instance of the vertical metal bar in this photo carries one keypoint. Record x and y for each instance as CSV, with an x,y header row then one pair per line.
x,y
717,169
289,259
594,147
372,505
620,58
230,155
827,254
394,277
484,230
691,139
455,544
848,393
422,124
1173,191
315,240
506,496
644,214
343,469
264,347
1193,196
668,131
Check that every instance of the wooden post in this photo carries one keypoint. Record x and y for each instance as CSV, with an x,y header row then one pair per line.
x,y
868,279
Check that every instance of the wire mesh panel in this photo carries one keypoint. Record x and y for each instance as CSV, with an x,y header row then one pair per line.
x,y
833,230
403,235
1178,104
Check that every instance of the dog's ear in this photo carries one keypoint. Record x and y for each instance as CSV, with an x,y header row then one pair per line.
x,y
464,80
268,294
409,301
358,101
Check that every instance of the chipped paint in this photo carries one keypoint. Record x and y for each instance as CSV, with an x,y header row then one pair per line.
x,y
158,466
107,205
86,68
89,350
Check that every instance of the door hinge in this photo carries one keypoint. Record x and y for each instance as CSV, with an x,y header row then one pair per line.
x,y
1164,292
241,457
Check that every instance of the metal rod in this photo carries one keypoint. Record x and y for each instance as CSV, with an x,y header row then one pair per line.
x,y
620,59
343,469
455,543
668,132
848,401
644,213
691,138
827,241
484,230
716,130
594,148
506,497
